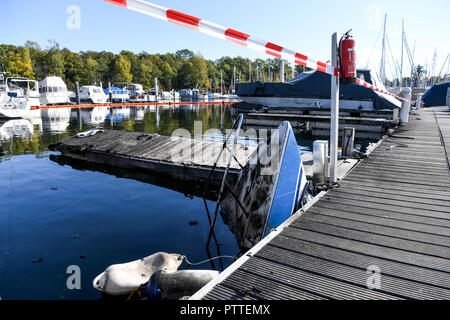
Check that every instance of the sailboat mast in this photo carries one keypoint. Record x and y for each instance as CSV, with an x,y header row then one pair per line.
x,y
383,53
403,41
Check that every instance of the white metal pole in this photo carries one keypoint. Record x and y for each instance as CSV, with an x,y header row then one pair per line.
x,y
281,70
156,89
334,125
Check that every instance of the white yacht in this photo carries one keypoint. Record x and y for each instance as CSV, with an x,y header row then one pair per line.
x,y
53,91
17,96
91,95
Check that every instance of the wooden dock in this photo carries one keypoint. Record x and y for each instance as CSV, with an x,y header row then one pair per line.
x,y
390,214
319,125
182,159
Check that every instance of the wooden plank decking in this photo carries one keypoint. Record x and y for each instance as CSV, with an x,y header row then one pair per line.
x,y
183,159
392,211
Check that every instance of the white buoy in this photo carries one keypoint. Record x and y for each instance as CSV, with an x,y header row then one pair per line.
x,y
174,285
121,279
406,105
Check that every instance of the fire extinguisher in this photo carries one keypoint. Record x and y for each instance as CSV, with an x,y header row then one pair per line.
x,y
347,57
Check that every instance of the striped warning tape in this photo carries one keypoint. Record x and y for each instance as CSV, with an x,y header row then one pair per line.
x,y
232,35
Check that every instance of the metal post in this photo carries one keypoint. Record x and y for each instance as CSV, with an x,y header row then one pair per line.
x,y
156,89
282,70
110,93
334,125
320,161
77,92
419,101
448,97
406,105
348,140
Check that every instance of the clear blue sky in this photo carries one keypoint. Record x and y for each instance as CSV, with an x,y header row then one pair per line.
x,y
304,26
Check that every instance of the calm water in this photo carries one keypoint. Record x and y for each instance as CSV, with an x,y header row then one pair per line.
x,y
54,215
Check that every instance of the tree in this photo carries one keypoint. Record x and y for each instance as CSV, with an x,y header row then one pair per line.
x,y
419,72
55,60
73,68
19,63
122,69
91,71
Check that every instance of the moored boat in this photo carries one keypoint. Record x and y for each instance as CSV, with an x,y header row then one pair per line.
x,y
53,91
313,89
17,96
91,95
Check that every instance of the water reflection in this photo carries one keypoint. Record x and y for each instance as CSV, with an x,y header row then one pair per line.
x,y
46,126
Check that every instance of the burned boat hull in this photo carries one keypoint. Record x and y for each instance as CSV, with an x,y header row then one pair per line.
x,y
269,188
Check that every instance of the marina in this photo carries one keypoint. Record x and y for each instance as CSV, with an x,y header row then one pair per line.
x,y
149,172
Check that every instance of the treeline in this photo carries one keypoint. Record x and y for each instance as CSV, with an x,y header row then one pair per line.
x,y
179,70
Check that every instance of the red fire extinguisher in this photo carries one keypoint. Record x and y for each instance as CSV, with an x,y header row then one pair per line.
x,y
347,54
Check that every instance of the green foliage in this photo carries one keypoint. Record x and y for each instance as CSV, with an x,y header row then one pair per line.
x,y
179,70
18,63
122,69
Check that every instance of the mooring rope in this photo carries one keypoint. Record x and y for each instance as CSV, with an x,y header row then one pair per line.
x,y
208,260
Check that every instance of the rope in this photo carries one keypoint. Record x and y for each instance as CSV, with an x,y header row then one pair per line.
x,y
202,262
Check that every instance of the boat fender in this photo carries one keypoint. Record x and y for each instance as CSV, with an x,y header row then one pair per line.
x,y
121,279
174,285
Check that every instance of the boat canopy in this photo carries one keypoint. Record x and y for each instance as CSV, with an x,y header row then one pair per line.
x,y
115,90
317,85
52,82
436,95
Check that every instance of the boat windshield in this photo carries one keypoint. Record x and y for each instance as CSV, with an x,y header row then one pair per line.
x,y
17,83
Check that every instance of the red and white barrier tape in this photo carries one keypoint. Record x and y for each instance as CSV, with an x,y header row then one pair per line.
x,y
234,36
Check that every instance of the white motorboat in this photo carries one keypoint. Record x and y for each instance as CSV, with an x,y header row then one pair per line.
x,y
91,95
53,91
135,91
17,96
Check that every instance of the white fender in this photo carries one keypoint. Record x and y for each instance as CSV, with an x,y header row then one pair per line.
x,y
121,279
